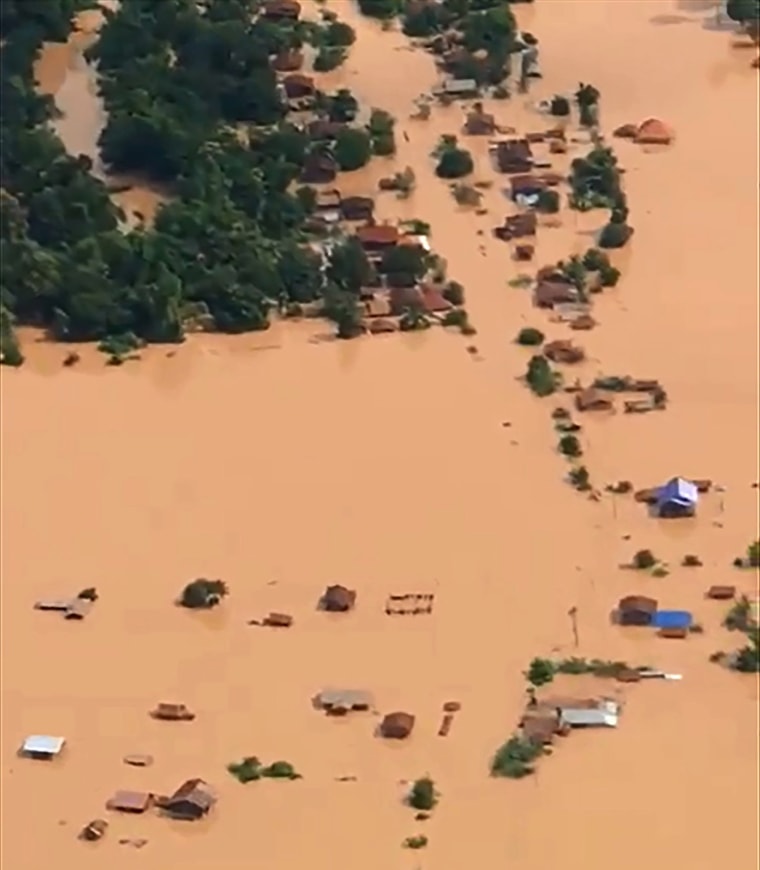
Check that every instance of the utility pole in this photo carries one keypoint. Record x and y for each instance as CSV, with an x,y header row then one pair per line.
x,y
573,614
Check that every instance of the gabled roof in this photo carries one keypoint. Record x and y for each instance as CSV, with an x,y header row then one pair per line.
x,y
672,619
43,744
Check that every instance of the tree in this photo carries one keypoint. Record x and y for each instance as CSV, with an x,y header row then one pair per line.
x,y
753,554
530,337
342,308
587,98
515,758
453,292
379,8
743,11
380,129
353,149
540,377
570,446
339,34
548,201
348,267
454,163
423,795
328,58
203,594
644,560
342,106
540,672
615,235
403,265
580,478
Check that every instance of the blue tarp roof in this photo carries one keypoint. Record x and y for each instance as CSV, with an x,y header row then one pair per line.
x,y
672,619
678,491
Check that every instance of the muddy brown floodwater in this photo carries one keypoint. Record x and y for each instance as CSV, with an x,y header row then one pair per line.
x,y
282,465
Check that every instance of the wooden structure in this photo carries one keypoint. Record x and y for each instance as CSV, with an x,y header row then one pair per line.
x,y
397,726
130,802
636,610
446,723
592,400
191,801
172,713
673,633
410,604
94,830
278,620
721,593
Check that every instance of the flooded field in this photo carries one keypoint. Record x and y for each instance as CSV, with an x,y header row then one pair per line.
x,y
283,465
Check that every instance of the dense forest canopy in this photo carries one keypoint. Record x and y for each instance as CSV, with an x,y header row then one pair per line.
x,y
193,104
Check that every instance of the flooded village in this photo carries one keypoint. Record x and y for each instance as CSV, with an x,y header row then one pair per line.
x,y
482,519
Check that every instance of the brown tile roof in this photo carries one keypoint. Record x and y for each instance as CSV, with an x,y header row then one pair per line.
x,y
433,300
378,235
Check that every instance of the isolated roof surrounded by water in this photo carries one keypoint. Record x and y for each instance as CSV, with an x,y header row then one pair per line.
x,y
678,491
671,619
43,744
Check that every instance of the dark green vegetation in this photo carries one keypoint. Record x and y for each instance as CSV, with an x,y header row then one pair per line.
x,y
515,758
752,559
530,337
746,12
483,25
587,100
203,594
251,769
423,795
453,161
643,560
540,377
559,106
580,478
548,201
570,446
542,671
747,658
193,106
417,842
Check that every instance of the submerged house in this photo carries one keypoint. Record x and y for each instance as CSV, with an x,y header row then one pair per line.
x,y
636,610
192,800
514,156
669,620
677,498
42,746
397,726
282,10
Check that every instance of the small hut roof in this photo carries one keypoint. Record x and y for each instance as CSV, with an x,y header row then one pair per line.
x,y
638,602
654,132
338,598
397,725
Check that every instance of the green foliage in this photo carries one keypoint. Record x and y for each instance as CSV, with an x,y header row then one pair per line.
x,y
540,672
614,235
203,594
595,260
540,377
609,276
747,659
738,617
643,560
515,758
458,317
413,320
753,554
559,107
403,265
250,769
417,842
342,106
10,350
548,201
587,98
348,266
570,446
175,78
353,149
595,179
530,337
381,132
329,58
342,308
383,9
423,795
454,163
339,34
580,478
453,292
743,11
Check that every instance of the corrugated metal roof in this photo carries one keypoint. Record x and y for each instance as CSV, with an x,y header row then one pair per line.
x,y
580,718
42,744
347,698
671,619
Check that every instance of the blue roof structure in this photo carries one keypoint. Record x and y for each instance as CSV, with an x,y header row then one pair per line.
x,y
679,492
671,619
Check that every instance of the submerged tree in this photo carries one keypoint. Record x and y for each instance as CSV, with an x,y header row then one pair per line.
x,y
203,594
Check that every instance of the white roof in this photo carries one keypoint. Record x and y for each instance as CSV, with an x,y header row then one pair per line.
x,y
43,744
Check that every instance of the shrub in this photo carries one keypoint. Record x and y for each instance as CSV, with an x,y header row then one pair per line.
x,y
280,770
247,770
500,92
753,554
417,842
338,33
540,377
203,593
569,445
329,58
514,759
423,795
580,478
559,107
737,618
609,276
540,672
453,292
454,163
353,149
530,337
643,560
89,594
614,235
595,260
548,201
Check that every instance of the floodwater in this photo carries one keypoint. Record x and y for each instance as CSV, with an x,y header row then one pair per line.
x,y
282,465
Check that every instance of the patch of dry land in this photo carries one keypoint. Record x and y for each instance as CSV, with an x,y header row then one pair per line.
x,y
383,464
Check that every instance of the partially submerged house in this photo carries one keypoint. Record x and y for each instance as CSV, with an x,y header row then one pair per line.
x,y
357,208
172,713
297,86
338,599
42,746
191,801
433,300
526,187
324,130
338,702
129,802
604,716
672,619
514,156
549,293
636,610
479,123
517,226
281,10
378,237
677,498
653,132
592,400
397,726
327,200
563,351
288,61
404,298
319,169
721,593
457,89
540,728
